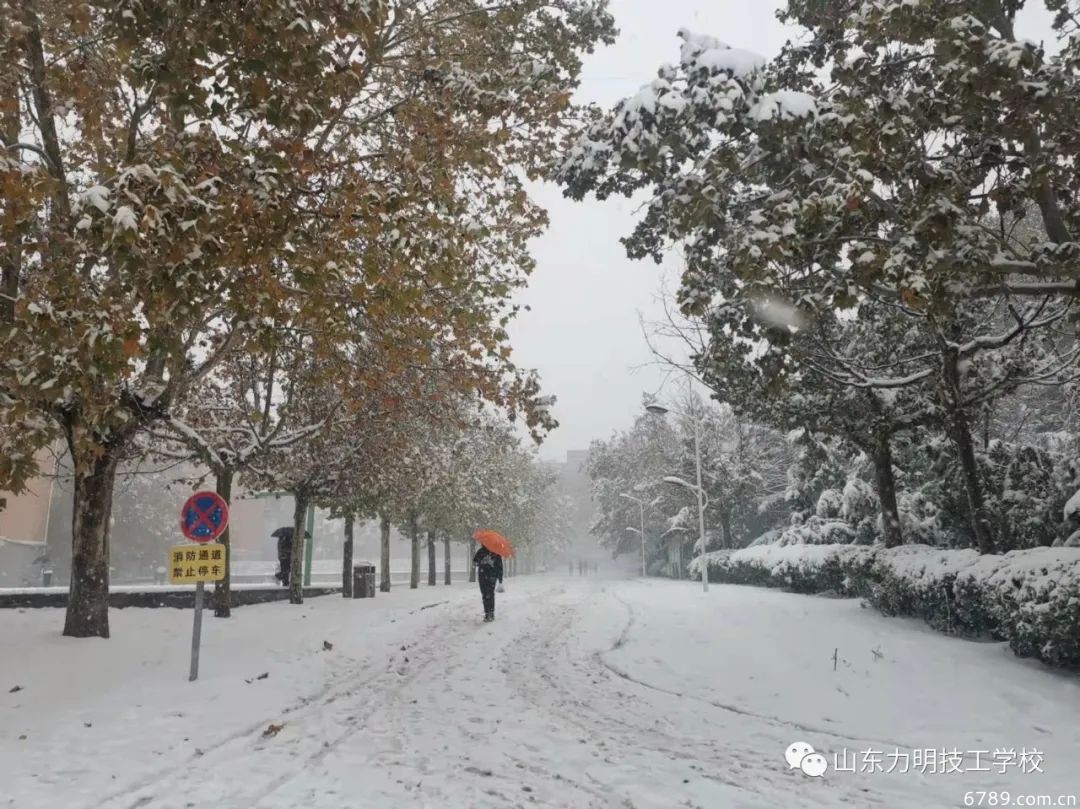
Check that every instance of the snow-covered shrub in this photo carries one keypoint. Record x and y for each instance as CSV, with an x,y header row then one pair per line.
x,y
829,505
859,501
1031,598
768,538
920,520
1072,507
817,531
1025,486
1071,541
1037,594
804,569
931,498
1071,528
1025,495
916,580
817,464
977,609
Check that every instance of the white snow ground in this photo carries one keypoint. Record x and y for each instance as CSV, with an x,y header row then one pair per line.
x,y
585,692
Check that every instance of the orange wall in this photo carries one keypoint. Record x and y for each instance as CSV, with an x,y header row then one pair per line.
x,y
26,516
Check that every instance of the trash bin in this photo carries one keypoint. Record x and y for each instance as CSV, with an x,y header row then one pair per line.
x,y
363,581
46,577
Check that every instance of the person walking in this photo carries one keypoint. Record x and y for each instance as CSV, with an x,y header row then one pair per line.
x,y
284,536
489,573
284,552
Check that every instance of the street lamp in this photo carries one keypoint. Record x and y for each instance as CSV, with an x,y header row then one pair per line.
x,y
641,507
698,490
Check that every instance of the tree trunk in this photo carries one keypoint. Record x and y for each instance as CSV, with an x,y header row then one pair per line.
x,y
726,540
446,558
432,577
88,594
468,562
296,574
965,447
384,553
223,589
414,541
886,490
980,520
346,558
11,258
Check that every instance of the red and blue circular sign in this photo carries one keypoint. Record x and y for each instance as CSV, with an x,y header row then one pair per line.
x,y
204,517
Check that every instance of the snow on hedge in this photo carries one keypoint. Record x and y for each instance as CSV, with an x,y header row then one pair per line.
x,y
1031,598
1073,506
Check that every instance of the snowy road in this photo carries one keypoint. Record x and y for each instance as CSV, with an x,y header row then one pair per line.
x,y
584,693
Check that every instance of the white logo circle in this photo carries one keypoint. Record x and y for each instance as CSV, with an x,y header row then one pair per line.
x,y
801,756
814,765
796,752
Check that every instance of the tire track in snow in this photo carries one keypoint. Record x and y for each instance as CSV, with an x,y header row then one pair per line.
x,y
375,696
451,659
619,739
635,728
341,685
311,702
601,657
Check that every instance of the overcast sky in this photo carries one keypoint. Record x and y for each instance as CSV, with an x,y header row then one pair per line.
x,y
583,333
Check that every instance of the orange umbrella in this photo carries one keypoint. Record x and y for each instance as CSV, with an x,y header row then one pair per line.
x,y
494,542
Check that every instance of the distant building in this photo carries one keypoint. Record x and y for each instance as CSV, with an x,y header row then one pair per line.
x,y
575,486
24,527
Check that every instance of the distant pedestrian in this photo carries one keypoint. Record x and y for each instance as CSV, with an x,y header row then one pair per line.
x,y
489,573
284,536
284,554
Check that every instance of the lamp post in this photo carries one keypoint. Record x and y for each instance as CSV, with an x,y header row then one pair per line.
x,y
641,507
699,491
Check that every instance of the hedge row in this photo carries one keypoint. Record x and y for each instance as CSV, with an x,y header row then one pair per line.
x,y
1030,598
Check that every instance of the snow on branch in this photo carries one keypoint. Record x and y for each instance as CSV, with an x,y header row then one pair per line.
x,y
196,441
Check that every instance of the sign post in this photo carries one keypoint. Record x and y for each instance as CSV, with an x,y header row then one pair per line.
x,y
196,633
203,519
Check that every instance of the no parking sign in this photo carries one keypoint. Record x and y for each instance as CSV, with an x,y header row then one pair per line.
x,y
204,518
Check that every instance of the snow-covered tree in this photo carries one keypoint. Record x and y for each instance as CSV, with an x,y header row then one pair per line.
x,y
237,420
793,188
634,463
743,471
179,176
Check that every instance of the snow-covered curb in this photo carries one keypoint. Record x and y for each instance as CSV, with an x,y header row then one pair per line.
x,y
1030,598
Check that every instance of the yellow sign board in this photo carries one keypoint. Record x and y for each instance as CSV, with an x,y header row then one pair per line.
x,y
189,564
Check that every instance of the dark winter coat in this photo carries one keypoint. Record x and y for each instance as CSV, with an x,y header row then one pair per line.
x,y
489,566
284,541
